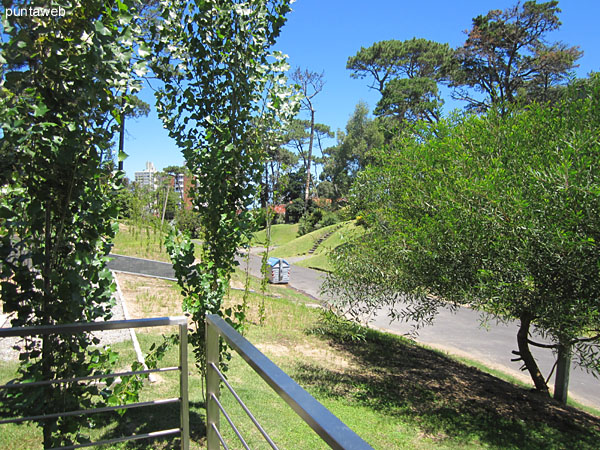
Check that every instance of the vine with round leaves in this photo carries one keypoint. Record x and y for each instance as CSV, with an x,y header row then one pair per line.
x,y
61,79
224,93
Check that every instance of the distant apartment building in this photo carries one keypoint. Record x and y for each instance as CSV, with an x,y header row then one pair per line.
x,y
181,185
147,177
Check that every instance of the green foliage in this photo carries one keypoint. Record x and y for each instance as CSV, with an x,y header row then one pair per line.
x,y
294,210
124,201
188,221
328,218
498,212
292,187
62,81
506,56
175,170
223,96
351,154
406,74
308,221
127,389
316,219
331,324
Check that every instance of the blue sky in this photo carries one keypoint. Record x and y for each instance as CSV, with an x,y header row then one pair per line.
x,y
320,35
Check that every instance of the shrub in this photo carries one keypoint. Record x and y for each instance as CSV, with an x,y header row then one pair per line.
x,y
294,210
329,218
188,221
310,222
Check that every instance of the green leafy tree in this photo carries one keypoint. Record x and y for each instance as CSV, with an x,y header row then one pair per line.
x,y
188,221
300,136
60,82
224,91
174,170
499,213
310,84
280,164
293,185
351,155
506,56
406,73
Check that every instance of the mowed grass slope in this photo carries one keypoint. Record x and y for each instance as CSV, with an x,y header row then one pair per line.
x,y
320,258
392,392
280,234
302,244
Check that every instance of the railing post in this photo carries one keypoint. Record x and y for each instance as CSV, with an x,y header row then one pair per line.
x,y
212,387
183,387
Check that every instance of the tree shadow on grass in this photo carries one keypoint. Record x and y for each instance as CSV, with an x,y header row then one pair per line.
x,y
151,419
447,400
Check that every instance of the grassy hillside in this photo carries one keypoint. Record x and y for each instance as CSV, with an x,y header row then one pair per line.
x,y
320,258
301,245
280,234
142,242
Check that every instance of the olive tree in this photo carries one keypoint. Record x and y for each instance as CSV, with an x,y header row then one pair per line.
x,y
498,212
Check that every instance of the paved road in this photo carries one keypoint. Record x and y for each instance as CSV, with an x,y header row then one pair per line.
x,y
458,333
129,264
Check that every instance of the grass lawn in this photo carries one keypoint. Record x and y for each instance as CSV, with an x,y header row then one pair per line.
x,y
320,258
301,245
392,392
280,234
142,242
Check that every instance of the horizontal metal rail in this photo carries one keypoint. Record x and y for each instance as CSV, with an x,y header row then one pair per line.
x,y
83,412
88,378
331,429
133,437
74,328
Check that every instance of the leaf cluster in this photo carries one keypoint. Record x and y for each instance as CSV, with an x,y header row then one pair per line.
x,y
498,212
224,99
506,56
406,73
61,85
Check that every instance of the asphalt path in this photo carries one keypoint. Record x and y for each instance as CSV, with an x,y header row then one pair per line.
x,y
139,266
457,332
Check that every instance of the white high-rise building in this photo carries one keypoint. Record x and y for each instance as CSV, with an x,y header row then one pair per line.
x,y
147,177
179,184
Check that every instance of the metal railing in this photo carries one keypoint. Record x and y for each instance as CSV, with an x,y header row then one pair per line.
x,y
181,322
331,429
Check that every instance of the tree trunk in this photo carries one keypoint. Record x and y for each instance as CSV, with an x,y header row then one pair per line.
x,y
310,147
561,383
121,135
48,424
264,192
527,357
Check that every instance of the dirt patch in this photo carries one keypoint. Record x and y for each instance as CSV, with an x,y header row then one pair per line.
x,y
323,356
150,297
